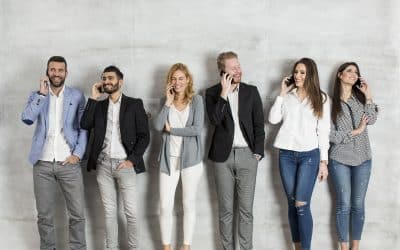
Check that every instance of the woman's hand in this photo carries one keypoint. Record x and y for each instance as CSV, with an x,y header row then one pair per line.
x,y
169,94
167,127
323,171
364,88
284,87
361,127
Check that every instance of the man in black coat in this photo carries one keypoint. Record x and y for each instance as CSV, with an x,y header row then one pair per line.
x,y
235,109
121,136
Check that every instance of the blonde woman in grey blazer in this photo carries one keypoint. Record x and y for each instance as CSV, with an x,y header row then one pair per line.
x,y
181,121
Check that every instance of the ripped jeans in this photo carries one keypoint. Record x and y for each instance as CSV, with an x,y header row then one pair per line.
x,y
299,171
351,184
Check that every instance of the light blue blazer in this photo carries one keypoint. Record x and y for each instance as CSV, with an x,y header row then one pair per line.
x,y
36,109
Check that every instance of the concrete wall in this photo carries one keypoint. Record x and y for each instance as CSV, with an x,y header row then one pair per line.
x,y
144,38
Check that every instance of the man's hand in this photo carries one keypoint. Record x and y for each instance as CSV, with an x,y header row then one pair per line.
x,y
72,159
226,82
44,85
95,91
125,164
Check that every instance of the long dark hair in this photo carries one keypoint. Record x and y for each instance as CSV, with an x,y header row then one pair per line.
x,y
337,91
311,85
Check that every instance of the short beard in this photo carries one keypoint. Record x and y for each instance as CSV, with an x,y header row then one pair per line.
x,y
56,85
114,89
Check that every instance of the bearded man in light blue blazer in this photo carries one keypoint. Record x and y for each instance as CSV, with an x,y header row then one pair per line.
x,y
58,146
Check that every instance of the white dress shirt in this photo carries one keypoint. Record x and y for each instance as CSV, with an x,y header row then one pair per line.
x,y
301,130
112,145
55,147
233,99
177,119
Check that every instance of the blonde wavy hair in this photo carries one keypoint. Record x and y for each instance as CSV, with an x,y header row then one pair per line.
x,y
189,91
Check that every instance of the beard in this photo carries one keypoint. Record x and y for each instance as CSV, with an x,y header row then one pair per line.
x,y
56,84
112,90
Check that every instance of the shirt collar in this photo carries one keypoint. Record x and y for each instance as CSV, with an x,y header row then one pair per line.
x,y
236,90
118,101
61,94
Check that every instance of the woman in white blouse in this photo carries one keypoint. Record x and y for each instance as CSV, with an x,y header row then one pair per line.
x,y
181,121
303,143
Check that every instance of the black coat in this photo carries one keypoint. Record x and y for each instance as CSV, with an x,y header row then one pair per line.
x,y
134,129
251,120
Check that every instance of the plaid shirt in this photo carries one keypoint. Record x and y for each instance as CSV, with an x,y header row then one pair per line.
x,y
345,148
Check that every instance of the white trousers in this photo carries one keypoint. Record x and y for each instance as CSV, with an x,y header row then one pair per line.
x,y
168,183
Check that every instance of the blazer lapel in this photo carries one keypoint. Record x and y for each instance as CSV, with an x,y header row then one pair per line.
x,y
104,112
122,110
66,104
243,98
219,89
46,112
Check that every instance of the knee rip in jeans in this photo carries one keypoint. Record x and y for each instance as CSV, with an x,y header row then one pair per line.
x,y
300,207
300,204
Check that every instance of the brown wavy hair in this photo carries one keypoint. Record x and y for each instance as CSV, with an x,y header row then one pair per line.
x,y
311,85
189,91
337,91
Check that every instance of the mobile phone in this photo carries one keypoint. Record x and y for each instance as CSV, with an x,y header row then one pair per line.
x,y
290,81
221,73
101,89
358,82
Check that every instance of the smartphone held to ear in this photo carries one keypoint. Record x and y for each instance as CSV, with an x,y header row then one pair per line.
x,y
290,81
101,89
221,73
358,82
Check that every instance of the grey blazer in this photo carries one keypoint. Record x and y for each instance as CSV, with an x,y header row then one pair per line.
x,y
192,146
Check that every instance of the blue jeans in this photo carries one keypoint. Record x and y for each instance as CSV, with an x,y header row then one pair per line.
x,y
351,183
299,171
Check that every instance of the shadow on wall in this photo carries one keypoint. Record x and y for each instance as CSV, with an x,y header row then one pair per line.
x,y
331,188
152,193
210,64
272,154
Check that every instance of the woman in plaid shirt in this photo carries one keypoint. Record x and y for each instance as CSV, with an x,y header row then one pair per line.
x,y
350,154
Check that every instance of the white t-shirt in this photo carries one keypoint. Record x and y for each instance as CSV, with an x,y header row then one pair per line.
x,y
177,119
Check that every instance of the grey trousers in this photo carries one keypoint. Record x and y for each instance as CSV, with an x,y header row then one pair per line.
x,y
238,173
46,177
124,182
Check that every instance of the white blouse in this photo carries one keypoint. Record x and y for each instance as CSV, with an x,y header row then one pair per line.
x,y
301,130
177,119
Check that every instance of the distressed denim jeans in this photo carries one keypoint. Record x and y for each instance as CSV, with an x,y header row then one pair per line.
x,y
299,171
351,184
